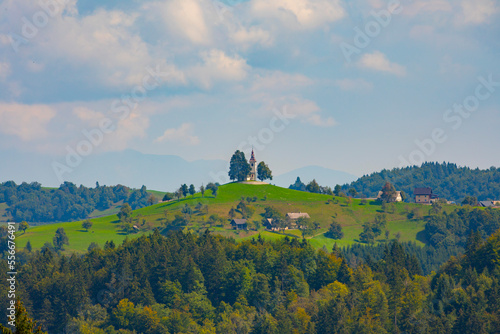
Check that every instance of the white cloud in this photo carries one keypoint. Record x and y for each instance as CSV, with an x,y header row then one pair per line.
x,y
319,121
300,14
132,127
28,122
378,61
354,84
476,11
183,18
217,66
183,134
102,42
302,107
102,49
307,111
251,36
87,115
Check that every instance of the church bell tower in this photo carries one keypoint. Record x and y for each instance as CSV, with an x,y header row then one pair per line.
x,y
253,171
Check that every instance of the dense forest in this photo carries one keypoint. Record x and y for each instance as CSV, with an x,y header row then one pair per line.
x,y
445,235
449,230
32,203
446,179
186,283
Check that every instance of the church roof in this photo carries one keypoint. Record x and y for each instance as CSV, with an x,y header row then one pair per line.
x,y
253,157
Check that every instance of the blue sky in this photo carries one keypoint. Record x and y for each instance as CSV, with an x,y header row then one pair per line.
x,y
361,82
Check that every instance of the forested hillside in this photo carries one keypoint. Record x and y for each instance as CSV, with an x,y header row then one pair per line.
x,y
446,179
210,284
32,203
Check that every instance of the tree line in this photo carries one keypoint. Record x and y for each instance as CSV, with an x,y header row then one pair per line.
x,y
447,180
31,203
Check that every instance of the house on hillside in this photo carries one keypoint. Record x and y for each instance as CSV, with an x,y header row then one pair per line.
x,y
297,215
272,225
268,223
397,197
239,224
424,196
486,204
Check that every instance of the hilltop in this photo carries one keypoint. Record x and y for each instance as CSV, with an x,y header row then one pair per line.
x,y
323,209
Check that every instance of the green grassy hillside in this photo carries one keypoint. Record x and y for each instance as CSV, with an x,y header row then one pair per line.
x,y
322,209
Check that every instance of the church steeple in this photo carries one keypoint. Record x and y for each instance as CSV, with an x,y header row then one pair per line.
x,y
252,158
253,171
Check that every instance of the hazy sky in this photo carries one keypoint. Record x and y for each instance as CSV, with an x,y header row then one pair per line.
x,y
348,85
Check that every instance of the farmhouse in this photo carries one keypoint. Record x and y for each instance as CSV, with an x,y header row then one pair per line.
x,y
424,196
486,204
297,215
239,224
268,223
397,196
271,225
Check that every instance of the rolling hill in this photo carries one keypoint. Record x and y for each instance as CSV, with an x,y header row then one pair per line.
x,y
322,209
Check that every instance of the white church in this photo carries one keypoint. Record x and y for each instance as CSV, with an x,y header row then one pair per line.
x,y
252,176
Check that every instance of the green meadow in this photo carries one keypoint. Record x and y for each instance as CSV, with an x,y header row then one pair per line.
x,y
323,209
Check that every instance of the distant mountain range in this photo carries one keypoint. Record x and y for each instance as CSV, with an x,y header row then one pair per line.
x,y
134,169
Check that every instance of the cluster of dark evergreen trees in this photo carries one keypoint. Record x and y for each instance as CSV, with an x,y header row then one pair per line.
x,y
452,229
446,179
209,284
32,203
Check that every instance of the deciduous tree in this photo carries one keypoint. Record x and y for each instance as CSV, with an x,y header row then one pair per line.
x,y
263,172
239,168
388,193
60,239
87,224
24,226
335,231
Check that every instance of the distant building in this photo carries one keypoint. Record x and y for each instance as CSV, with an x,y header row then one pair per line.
x,y
396,198
239,224
486,204
270,224
297,215
252,176
424,196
